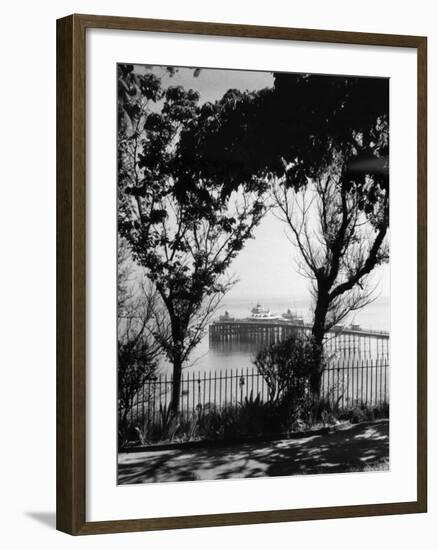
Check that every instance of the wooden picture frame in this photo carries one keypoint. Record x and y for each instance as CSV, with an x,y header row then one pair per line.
x,y
71,273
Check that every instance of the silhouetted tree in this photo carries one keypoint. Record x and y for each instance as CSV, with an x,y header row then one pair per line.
x,y
333,191
183,227
322,143
339,246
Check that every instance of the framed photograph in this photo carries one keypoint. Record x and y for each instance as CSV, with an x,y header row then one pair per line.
x,y
241,274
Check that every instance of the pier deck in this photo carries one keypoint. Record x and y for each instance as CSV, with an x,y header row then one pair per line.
x,y
236,325
340,338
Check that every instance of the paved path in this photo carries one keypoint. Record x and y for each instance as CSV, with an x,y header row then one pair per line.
x,y
348,448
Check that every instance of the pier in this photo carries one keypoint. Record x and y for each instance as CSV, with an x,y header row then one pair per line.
x,y
351,339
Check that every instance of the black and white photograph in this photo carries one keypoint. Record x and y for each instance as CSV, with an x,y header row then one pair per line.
x,y
219,275
253,274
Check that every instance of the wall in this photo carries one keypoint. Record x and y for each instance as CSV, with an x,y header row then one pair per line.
x,y
27,461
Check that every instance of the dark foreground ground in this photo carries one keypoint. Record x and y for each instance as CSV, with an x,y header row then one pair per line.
x,y
349,448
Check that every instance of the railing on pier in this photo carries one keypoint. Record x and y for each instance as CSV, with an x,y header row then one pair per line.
x,y
344,340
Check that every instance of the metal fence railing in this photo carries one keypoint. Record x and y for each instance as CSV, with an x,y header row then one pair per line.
x,y
345,383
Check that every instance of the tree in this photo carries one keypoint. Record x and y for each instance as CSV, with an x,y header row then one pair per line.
x,y
183,227
322,143
335,173
137,352
339,246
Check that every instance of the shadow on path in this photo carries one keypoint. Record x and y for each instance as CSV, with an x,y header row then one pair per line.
x,y
349,448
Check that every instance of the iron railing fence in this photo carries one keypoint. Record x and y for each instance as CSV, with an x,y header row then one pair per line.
x,y
345,383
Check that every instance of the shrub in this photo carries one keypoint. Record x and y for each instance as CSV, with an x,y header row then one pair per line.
x,y
163,429
361,412
357,415
286,367
210,424
255,418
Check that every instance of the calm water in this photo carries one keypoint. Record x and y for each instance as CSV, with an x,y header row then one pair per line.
x,y
211,357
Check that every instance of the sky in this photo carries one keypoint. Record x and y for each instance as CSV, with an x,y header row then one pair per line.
x,y
266,267
212,83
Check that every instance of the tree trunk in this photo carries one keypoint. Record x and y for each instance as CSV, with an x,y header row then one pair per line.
x,y
318,333
176,386
178,333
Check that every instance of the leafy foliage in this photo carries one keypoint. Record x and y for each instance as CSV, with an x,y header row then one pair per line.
x,y
137,352
184,228
320,131
251,418
293,130
287,367
193,180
